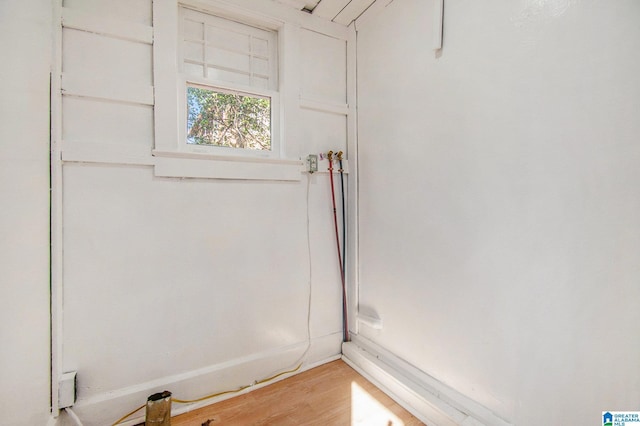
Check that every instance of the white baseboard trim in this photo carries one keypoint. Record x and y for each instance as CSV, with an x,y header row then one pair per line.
x,y
430,400
106,408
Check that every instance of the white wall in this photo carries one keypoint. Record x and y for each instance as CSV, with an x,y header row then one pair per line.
x,y
25,43
191,285
499,208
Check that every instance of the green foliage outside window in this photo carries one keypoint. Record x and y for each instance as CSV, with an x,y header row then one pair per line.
x,y
228,119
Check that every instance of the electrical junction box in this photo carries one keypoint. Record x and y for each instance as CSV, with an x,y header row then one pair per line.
x,y
312,163
67,390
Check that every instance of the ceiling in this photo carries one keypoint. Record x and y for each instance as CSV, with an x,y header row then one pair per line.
x,y
339,11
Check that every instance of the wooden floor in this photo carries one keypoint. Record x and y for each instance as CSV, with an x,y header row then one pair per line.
x,y
332,394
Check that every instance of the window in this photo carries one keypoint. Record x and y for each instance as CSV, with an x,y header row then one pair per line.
x,y
229,81
217,93
228,119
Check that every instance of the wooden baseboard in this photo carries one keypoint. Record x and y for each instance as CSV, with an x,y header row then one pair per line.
x,y
428,399
107,407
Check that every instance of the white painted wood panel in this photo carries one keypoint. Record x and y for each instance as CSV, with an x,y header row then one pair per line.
x,y
105,60
107,123
86,85
165,71
222,266
325,270
89,152
223,169
130,10
82,20
275,11
351,250
370,13
329,9
290,81
299,4
341,109
323,131
194,383
323,61
354,9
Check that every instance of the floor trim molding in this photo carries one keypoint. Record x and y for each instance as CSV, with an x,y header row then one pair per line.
x,y
428,399
103,408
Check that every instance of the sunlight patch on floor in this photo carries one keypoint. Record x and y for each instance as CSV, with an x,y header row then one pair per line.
x,y
366,410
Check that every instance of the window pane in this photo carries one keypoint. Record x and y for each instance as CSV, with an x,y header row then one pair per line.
x,y
260,82
231,40
229,76
193,30
226,59
261,66
193,69
260,47
228,119
193,51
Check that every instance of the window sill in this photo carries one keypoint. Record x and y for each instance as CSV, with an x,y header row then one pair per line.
x,y
210,166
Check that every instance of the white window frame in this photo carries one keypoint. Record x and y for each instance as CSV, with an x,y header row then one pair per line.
x,y
173,155
273,97
274,152
184,80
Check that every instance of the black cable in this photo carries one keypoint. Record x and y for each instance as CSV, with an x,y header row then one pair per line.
x,y
345,326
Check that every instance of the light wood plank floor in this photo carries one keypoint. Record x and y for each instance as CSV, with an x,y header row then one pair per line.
x,y
331,394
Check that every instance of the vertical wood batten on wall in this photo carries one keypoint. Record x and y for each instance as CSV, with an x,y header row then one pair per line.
x,y
56,215
352,249
290,81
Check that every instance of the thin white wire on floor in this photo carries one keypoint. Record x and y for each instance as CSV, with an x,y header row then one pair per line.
x,y
74,416
302,358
